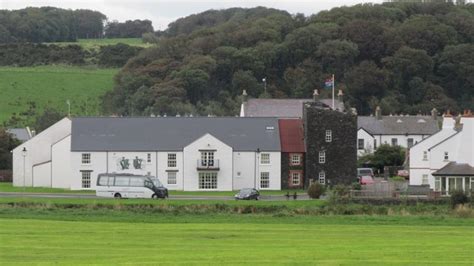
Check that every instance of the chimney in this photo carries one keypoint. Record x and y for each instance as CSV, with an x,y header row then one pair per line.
x,y
457,123
244,96
340,96
315,95
378,113
434,114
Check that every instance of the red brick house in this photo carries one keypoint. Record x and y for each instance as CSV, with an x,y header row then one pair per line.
x,y
292,153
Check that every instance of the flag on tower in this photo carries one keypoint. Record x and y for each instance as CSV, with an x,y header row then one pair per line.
x,y
329,83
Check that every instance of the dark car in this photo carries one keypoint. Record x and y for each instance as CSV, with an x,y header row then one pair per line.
x,y
247,194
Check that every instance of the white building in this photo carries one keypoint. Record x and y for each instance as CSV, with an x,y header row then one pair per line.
x,y
404,131
184,153
445,161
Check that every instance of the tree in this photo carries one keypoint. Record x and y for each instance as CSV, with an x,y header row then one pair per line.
x,y
245,80
387,155
46,119
7,143
337,56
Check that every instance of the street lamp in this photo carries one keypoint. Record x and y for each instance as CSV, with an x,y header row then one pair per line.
x,y
264,80
24,152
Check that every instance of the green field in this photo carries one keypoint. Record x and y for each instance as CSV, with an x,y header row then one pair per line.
x,y
96,43
52,86
93,235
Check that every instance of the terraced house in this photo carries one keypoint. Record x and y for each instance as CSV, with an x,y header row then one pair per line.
x,y
199,153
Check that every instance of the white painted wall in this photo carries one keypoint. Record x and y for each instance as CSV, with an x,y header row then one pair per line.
x,y
163,169
244,170
42,175
38,152
114,158
274,168
98,166
402,139
368,142
61,174
191,155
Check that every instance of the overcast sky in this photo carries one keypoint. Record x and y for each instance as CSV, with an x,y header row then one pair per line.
x,y
162,12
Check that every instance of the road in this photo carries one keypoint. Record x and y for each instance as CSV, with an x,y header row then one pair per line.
x,y
92,196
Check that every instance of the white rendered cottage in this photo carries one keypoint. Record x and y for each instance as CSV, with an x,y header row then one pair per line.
x,y
404,131
445,161
185,153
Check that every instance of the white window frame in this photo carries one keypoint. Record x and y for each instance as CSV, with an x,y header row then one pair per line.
x,y
265,158
424,179
425,155
264,179
446,156
437,183
295,159
207,158
172,162
394,142
322,157
207,180
172,180
328,136
412,142
86,158
86,179
295,176
322,178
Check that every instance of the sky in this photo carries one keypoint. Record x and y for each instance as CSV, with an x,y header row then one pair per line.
x,y
162,12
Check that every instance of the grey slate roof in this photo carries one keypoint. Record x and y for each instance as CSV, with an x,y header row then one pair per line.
x,y
171,133
455,169
19,133
398,125
284,108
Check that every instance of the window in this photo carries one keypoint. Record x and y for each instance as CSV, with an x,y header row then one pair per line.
x,y
137,182
424,180
437,183
425,156
86,158
409,142
394,142
360,144
264,180
207,180
328,135
322,157
171,159
265,158
207,158
171,178
295,159
86,179
295,178
375,144
446,156
148,158
122,181
322,177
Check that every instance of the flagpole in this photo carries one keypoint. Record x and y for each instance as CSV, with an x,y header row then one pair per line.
x,y
333,81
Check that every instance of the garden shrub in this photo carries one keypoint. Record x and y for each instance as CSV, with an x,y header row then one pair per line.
x,y
458,198
316,190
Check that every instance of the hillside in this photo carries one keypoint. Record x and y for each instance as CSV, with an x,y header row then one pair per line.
x,y
26,91
405,57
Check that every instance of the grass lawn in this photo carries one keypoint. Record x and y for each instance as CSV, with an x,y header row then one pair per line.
x,y
8,187
96,43
52,86
321,240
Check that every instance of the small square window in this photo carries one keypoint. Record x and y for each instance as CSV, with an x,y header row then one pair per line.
x,y
171,178
171,159
265,158
264,180
425,156
446,156
424,180
86,158
394,142
328,135
86,179
410,142
295,159
148,158
322,157
322,177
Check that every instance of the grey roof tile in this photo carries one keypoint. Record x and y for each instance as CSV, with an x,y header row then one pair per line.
x,y
19,133
455,169
284,108
398,125
171,133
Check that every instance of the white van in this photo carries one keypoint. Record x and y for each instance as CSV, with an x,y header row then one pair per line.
x,y
129,186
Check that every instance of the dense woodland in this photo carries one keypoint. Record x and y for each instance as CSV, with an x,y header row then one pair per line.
x,y
406,57
50,24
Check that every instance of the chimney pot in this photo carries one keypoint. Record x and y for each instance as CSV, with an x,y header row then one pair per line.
x,y
315,95
378,113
